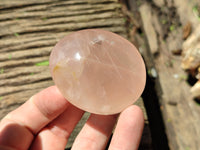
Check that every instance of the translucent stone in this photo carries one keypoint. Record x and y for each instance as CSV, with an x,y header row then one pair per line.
x,y
98,71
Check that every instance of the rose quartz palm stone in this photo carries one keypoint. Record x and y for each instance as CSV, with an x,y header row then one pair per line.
x,y
98,71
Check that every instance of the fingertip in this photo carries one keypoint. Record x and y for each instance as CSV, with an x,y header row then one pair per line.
x,y
134,111
129,129
132,117
50,101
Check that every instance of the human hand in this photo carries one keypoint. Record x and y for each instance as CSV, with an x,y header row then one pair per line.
x,y
47,119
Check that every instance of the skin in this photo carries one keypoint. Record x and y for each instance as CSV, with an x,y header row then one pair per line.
x,y
47,119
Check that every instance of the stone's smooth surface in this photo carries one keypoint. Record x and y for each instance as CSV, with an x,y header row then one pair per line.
x,y
98,71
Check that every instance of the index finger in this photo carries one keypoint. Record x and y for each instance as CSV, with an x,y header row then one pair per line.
x,y
33,115
39,110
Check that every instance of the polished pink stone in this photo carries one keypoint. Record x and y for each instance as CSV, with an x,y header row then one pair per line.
x,y
98,71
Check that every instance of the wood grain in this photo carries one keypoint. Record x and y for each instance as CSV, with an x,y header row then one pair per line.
x,y
28,32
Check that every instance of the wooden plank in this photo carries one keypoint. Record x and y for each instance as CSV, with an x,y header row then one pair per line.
x,y
180,112
30,29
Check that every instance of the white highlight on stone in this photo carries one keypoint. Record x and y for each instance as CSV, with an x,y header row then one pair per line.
x,y
78,56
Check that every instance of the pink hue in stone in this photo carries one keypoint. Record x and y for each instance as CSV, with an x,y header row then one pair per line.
x,y
98,71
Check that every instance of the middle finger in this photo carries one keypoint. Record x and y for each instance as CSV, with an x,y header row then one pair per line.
x,y
95,133
55,135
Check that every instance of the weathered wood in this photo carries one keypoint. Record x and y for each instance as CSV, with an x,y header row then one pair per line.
x,y
30,29
191,51
186,11
180,112
146,14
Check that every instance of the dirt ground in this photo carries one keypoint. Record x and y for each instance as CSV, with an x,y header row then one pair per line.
x,y
167,34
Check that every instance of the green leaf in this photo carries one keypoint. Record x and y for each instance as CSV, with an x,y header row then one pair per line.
x,y
171,28
196,12
1,97
44,19
169,120
125,19
164,21
43,63
197,102
1,71
10,56
183,77
16,34
187,148
195,9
